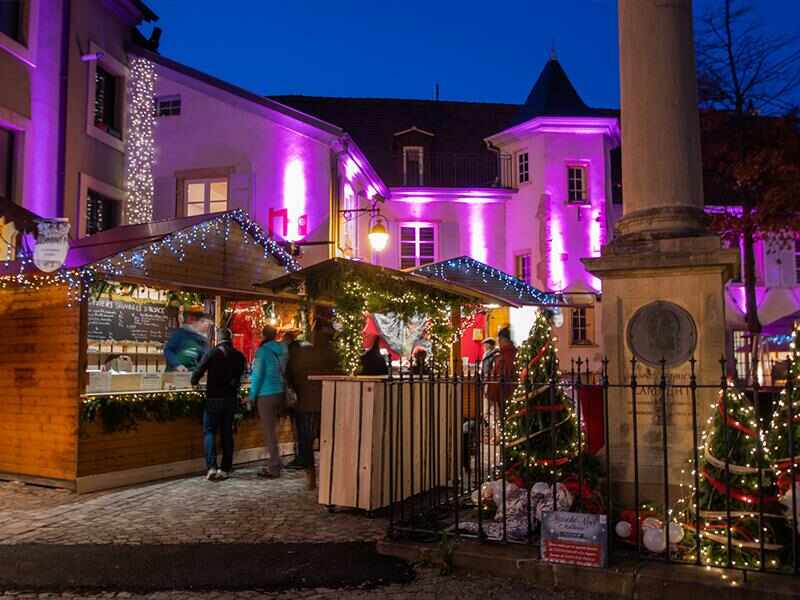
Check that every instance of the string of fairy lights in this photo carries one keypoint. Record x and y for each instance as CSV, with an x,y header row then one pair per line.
x,y
78,280
140,141
454,269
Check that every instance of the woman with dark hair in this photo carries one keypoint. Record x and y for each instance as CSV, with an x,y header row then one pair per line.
x,y
267,389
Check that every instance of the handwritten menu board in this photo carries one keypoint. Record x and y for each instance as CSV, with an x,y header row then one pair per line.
x,y
114,319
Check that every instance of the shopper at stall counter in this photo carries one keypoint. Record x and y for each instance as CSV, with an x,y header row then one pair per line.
x,y
267,388
225,366
188,344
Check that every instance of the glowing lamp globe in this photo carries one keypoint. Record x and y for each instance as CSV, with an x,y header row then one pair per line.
x,y
378,236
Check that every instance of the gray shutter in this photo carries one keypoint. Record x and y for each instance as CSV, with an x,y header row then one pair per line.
x,y
164,204
240,193
449,243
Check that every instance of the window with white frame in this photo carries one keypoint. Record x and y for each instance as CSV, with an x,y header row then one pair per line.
x,y
582,326
102,212
523,170
417,244
107,96
523,267
168,106
577,189
413,165
7,164
205,196
108,101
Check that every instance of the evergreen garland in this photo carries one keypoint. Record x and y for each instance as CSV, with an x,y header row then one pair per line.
x,y
123,412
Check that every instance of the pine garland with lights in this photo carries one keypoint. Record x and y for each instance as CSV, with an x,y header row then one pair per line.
x,y
540,433
140,142
356,297
123,411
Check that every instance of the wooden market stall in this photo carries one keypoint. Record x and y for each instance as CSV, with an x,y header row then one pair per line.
x,y
367,422
67,419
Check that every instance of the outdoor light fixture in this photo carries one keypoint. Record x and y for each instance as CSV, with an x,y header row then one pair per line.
x,y
378,234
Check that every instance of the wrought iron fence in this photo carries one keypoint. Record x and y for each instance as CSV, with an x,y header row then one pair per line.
x,y
466,456
458,169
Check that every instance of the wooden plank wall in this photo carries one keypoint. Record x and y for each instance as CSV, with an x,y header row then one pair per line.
x,y
39,368
152,443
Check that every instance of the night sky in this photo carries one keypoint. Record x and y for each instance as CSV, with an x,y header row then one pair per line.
x,y
476,50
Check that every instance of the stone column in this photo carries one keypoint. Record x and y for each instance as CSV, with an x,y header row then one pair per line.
x,y
661,165
661,260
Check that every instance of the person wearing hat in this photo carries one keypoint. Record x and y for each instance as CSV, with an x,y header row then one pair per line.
x,y
224,366
490,353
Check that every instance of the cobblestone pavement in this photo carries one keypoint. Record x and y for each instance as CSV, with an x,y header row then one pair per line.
x,y
429,585
243,509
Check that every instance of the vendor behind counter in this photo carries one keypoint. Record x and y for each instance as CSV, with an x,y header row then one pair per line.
x,y
187,344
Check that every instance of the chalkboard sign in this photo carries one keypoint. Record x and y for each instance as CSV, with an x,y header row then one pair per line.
x,y
127,320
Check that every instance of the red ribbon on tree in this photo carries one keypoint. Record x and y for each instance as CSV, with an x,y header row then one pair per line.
x,y
739,494
731,422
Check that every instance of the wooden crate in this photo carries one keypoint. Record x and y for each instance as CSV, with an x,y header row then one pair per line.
x,y
372,430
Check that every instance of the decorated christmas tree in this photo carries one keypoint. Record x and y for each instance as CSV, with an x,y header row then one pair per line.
x,y
541,427
783,440
736,488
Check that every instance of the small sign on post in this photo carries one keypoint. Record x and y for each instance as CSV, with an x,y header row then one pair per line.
x,y
575,538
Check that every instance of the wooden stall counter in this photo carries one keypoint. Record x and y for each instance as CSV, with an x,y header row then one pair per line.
x,y
376,430
159,442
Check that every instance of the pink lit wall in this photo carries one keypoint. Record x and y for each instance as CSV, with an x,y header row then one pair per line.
x,y
41,139
540,221
278,169
468,222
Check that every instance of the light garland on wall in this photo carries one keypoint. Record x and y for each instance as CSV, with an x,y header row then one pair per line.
x,y
466,265
79,280
140,142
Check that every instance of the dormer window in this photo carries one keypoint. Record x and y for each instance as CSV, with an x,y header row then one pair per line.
x,y
577,185
413,166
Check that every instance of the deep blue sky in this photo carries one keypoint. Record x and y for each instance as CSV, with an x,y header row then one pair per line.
x,y
476,49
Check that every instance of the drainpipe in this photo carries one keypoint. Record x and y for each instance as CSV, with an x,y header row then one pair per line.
x,y
492,148
62,111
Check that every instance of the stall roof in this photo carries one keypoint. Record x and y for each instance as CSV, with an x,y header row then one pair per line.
x,y
335,268
468,272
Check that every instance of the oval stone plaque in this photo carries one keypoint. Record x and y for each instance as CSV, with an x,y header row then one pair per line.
x,y
662,330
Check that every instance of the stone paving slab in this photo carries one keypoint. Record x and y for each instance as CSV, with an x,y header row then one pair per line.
x,y
244,509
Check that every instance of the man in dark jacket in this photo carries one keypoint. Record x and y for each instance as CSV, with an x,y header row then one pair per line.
x,y
225,366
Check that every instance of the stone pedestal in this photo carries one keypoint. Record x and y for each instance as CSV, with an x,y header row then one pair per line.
x,y
689,273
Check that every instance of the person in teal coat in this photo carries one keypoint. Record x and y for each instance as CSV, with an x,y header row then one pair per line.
x,y
267,389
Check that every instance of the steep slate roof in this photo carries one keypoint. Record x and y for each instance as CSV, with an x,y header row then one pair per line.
x,y
552,95
458,127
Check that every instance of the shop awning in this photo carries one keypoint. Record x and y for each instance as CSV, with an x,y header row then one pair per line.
x,y
223,253
470,273
778,308
319,281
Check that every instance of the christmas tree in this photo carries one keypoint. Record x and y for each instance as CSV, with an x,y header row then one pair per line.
x,y
736,487
541,427
783,442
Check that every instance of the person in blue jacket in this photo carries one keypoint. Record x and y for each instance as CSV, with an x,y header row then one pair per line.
x,y
267,389
188,344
